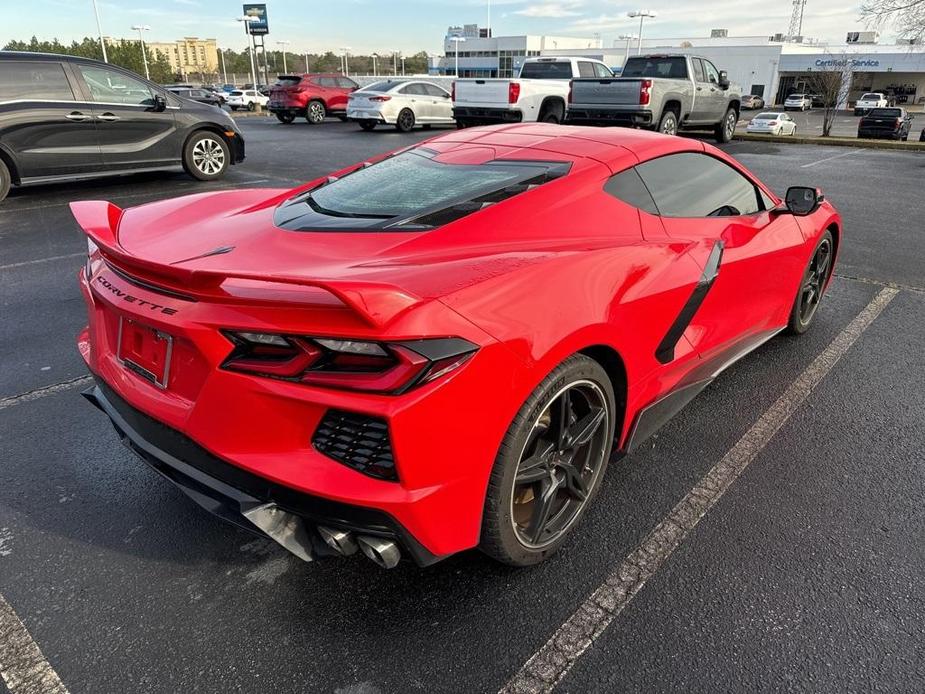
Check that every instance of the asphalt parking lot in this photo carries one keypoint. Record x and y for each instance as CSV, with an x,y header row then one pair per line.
x,y
805,575
809,123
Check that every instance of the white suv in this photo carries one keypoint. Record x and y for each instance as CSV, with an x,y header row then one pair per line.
x,y
869,101
798,102
246,98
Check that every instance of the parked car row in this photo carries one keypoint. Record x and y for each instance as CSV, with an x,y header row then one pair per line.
x,y
69,118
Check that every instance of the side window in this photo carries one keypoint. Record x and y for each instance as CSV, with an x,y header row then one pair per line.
x,y
697,185
712,73
628,187
699,75
434,90
585,69
327,82
20,80
414,89
602,70
345,83
112,87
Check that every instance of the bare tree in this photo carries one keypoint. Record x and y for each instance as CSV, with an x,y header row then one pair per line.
x,y
830,83
907,16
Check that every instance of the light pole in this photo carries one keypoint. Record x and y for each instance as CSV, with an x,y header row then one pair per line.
x,y
283,44
141,28
221,54
395,63
403,66
627,38
306,62
375,55
346,63
99,30
457,40
642,14
247,20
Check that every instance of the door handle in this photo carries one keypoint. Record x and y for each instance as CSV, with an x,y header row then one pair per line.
x,y
77,116
108,117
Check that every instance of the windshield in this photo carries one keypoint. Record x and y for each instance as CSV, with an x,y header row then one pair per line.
x,y
886,113
413,186
674,68
547,71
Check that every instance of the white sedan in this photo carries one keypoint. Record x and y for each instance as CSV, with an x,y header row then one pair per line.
x,y
402,103
246,98
798,102
772,123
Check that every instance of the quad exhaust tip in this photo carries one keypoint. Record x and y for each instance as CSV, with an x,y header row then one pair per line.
x,y
341,541
383,552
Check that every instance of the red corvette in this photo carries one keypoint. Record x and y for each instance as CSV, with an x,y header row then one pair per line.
x,y
442,348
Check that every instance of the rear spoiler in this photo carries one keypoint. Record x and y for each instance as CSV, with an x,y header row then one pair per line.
x,y
376,303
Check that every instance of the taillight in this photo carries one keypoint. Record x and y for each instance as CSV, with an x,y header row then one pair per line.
x,y
380,98
772,122
453,92
899,122
513,92
379,367
645,92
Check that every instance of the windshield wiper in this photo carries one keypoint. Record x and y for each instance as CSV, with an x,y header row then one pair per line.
x,y
337,213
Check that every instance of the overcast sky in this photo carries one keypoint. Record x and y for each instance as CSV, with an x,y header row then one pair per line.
x,y
413,25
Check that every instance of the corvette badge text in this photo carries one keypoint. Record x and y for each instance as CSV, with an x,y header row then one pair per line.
x,y
134,299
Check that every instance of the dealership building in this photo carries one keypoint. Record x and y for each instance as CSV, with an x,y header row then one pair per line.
x,y
770,67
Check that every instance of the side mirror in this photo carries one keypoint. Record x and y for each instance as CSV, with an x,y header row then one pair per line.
x,y
802,200
723,79
160,103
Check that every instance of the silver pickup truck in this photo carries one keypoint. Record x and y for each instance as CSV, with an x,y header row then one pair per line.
x,y
661,92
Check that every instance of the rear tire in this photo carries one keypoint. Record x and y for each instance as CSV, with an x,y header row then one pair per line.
x,y
315,112
206,156
367,125
812,286
668,124
5,180
726,128
286,118
405,121
514,529
552,113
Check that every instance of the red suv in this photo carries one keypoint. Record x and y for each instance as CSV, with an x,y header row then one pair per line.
x,y
312,96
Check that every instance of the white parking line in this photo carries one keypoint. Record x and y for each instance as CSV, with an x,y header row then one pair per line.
x,y
43,392
555,658
42,260
22,664
836,156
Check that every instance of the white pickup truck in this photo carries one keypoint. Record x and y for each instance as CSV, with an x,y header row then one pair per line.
x,y
539,93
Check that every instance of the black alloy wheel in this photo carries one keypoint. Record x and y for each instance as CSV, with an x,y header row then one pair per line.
x,y
550,463
405,121
812,286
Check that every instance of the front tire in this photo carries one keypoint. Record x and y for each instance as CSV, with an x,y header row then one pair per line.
x,y
726,128
812,286
252,106
5,181
315,112
550,463
405,121
206,156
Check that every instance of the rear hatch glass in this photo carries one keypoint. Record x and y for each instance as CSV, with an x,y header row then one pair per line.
x,y
412,191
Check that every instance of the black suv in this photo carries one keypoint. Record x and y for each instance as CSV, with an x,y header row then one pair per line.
x,y
68,118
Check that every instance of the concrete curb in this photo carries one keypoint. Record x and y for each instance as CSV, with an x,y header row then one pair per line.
x,y
833,142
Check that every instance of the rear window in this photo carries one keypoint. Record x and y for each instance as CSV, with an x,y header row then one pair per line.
x,y
674,68
871,97
22,80
766,116
288,80
412,189
237,92
380,86
797,96
547,71
886,113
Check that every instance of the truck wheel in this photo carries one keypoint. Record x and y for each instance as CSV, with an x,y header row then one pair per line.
x,y
668,124
726,128
552,113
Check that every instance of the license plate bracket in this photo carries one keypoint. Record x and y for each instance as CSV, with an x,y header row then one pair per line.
x,y
145,350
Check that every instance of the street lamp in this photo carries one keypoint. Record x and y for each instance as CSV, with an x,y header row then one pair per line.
x,y
627,38
375,55
457,40
403,66
346,63
247,19
140,28
99,30
395,62
283,44
642,14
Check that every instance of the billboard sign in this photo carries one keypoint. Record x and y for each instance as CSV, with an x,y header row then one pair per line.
x,y
258,11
